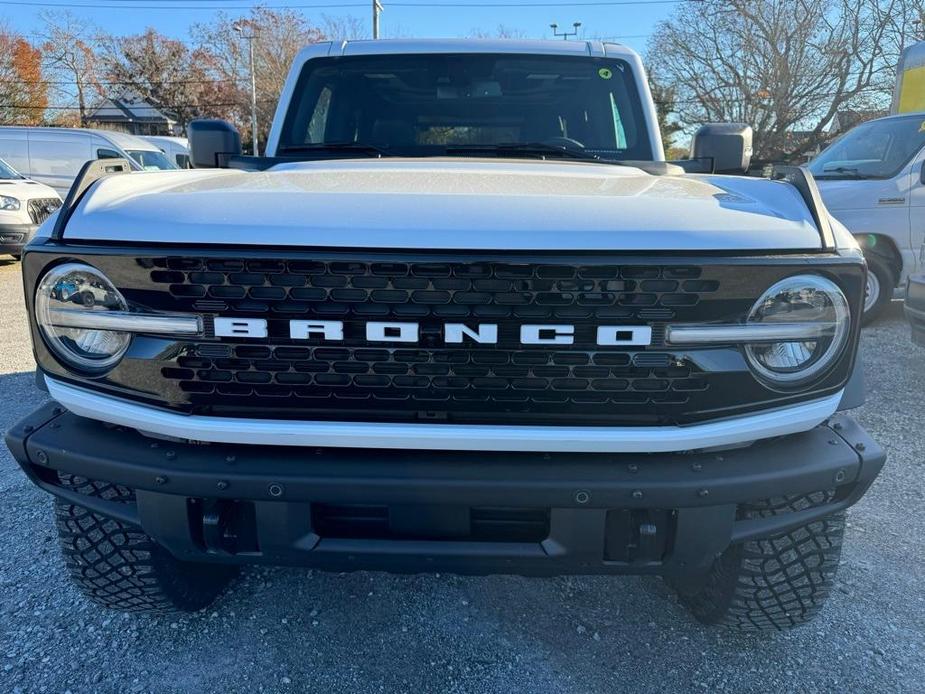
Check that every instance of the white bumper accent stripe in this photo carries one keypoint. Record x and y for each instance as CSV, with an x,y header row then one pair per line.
x,y
458,437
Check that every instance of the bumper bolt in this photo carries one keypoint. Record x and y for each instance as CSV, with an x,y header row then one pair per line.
x,y
275,490
637,494
42,457
838,426
703,492
582,497
57,411
633,468
160,479
222,485
833,442
171,455
860,447
230,458
840,476
696,467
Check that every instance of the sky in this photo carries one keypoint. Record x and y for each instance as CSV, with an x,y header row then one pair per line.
x,y
624,21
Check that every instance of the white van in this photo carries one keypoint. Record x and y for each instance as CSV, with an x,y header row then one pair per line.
x,y
53,156
176,148
873,180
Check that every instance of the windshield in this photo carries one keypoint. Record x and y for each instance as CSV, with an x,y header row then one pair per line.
x,y
432,105
7,172
151,160
878,149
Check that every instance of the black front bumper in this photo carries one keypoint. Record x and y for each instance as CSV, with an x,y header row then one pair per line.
x,y
915,308
344,509
14,236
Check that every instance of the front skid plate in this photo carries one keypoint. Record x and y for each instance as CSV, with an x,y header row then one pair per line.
x,y
578,489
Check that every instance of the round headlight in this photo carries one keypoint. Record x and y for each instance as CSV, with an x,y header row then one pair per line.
x,y
67,296
809,301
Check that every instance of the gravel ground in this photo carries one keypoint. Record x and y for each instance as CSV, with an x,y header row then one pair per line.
x,y
295,630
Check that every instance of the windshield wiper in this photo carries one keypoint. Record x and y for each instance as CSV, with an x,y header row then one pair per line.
x,y
841,172
337,148
537,149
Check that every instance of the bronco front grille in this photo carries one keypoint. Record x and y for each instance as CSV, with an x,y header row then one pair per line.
x,y
433,380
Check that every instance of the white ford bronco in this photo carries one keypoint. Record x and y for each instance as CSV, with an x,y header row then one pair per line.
x,y
462,316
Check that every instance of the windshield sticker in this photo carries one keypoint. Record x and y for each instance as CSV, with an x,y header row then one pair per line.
x,y
605,73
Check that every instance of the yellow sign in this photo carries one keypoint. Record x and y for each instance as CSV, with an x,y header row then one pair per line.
x,y
912,90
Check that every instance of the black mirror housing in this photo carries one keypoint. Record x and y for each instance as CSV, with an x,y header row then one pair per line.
x,y
729,145
212,142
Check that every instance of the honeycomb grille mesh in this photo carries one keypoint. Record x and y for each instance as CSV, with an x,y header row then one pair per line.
x,y
574,383
492,290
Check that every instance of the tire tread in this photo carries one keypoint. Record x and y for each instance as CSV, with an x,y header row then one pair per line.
x,y
119,566
777,582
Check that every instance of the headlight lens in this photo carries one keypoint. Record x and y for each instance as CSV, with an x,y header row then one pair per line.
x,y
8,203
75,287
795,300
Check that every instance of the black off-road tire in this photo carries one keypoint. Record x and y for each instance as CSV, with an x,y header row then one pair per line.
x,y
120,567
886,282
774,583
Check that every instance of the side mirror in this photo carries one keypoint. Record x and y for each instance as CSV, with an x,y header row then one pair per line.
x,y
212,143
729,145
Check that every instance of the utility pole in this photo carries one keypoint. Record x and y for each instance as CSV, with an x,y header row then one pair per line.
x,y
239,27
377,8
565,34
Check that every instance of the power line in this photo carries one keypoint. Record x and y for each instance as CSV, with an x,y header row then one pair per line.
x,y
112,83
172,107
130,4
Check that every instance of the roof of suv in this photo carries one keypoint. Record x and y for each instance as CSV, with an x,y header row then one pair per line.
x,y
526,46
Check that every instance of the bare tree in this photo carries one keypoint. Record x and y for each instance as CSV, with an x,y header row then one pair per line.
x,y
279,36
502,31
664,106
69,60
343,27
779,65
166,73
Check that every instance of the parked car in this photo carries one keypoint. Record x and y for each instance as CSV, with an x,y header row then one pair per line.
x,y
915,307
53,156
462,317
872,180
915,302
176,148
24,205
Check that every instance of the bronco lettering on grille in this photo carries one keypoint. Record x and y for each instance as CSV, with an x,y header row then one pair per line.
x,y
453,333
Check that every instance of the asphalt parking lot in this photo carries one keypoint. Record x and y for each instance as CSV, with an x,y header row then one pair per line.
x,y
294,630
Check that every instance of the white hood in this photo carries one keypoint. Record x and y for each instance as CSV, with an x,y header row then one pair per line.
x,y
24,189
448,204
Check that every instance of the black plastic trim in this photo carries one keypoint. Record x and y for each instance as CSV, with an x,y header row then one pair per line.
x,y
802,179
91,172
702,492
